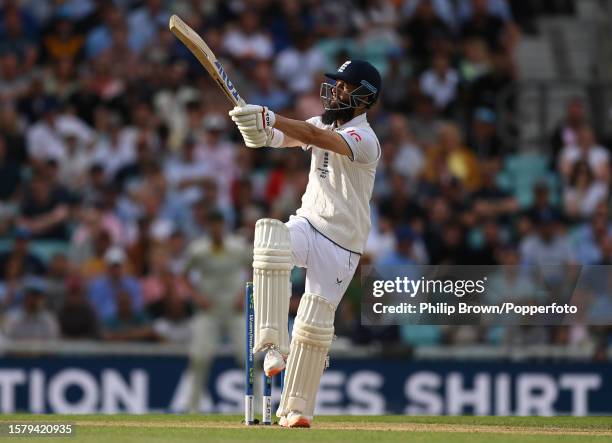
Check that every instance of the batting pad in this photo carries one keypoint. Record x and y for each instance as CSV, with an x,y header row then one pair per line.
x,y
312,336
271,284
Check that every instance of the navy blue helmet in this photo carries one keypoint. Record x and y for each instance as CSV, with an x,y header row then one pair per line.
x,y
355,72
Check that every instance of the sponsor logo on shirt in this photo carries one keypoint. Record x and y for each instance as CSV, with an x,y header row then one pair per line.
x,y
324,169
355,135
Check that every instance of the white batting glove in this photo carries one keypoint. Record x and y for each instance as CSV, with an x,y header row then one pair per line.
x,y
253,116
254,138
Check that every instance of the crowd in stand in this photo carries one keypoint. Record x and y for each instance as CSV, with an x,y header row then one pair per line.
x,y
116,155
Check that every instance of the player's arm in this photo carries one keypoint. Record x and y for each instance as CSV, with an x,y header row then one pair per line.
x,y
298,133
261,127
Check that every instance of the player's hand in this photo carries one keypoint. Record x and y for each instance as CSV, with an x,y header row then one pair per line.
x,y
253,117
250,122
254,138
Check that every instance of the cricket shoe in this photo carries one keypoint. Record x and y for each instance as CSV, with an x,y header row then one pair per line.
x,y
274,362
294,420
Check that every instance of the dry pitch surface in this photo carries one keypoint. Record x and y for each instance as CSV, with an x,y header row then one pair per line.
x,y
352,429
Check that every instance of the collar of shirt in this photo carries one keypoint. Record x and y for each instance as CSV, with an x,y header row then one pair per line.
x,y
355,121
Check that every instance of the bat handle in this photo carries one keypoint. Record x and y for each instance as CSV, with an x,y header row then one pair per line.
x,y
241,102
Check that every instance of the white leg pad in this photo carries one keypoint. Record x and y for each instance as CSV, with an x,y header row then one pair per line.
x,y
313,332
271,284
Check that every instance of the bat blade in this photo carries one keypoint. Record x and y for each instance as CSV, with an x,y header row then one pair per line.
x,y
206,57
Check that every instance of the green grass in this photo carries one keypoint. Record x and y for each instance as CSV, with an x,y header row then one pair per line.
x,y
352,429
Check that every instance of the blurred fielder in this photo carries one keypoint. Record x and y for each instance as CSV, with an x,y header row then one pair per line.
x,y
326,236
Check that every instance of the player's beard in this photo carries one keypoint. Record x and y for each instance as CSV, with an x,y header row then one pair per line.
x,y
330,116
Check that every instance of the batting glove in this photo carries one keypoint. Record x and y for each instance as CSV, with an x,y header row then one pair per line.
x,y
254,138
253,116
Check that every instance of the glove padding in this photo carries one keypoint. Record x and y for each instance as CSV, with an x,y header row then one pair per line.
x,y
253,116
256,138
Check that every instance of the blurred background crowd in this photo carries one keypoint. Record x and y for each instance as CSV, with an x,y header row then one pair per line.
x,y
123,184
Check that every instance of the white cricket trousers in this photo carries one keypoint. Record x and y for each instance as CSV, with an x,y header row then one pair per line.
x,y
329,267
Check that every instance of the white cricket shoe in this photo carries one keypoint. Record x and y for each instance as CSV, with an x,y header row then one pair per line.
x,y
294,420
274,362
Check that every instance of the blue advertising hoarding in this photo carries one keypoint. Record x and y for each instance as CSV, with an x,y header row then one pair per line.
x,y
350,386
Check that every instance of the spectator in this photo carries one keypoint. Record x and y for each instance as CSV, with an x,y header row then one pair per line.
x,y
542,202
583,193
482,23
163,207
61,81
174,324
161,283
10,175
88,247
485,90
16,39
56,281
424,123
62,41
511,282
47,138
144,24
442,8
99,38
440,82
287,183
451,159
483,138
246,41
410,159
31,320
586,148
45,210
220,155
298,66
126,324
395,99
13,81
268,92
186,172
172,100
403,253
20,258
547,245
475,61
497,8
107,291
11,132
486,252
489,201
592,239
198,221
381,240
76,317
421,31
566,132
115,147
453,249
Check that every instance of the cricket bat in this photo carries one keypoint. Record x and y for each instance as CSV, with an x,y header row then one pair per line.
x,y
206,57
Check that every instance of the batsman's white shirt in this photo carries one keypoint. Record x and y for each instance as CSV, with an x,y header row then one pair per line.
x,y
337,198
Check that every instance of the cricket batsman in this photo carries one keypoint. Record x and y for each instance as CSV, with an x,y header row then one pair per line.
x,y
326,235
